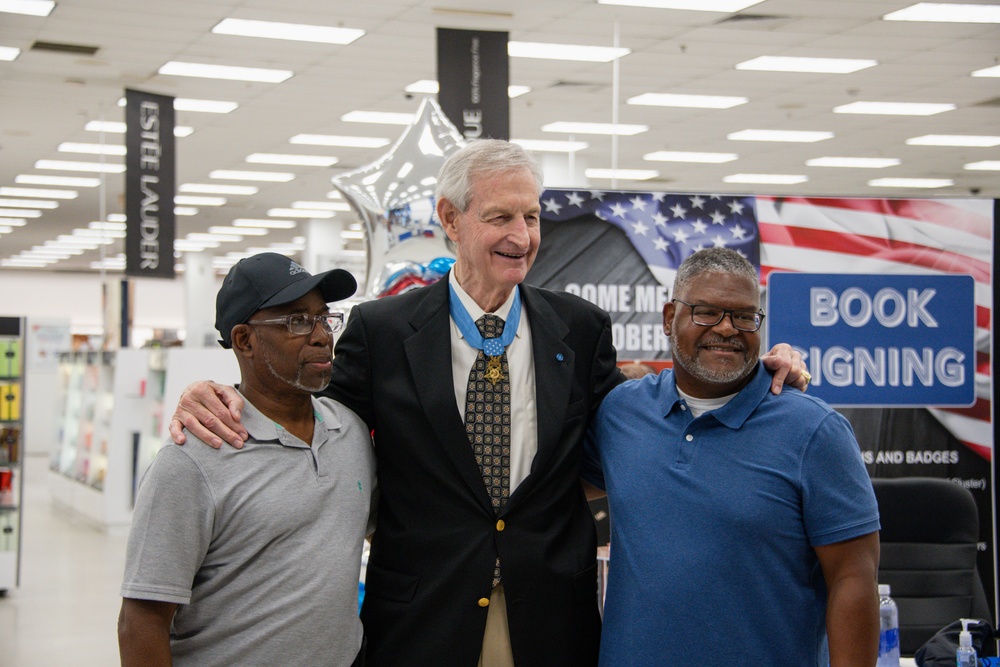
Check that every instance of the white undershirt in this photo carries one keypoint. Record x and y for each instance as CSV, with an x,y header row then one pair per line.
x,y
699,406
521,362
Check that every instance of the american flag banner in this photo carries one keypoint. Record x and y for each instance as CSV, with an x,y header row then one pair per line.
x,y
947,236
664,228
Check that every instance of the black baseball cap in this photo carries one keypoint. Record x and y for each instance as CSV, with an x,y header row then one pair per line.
x,y
271,279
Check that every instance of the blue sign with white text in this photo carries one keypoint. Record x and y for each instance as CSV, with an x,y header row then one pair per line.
x,y
879,339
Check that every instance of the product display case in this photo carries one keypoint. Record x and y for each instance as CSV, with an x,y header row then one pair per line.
x,y
11,449
114,407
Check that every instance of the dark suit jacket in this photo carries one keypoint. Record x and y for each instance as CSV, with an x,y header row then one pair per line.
x,y
437,538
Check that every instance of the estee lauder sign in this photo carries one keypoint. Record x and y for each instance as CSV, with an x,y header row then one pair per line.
x,y
150,179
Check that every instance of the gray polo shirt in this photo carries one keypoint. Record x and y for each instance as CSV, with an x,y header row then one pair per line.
x,y
260,546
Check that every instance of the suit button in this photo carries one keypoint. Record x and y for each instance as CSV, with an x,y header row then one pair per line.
x,y
484,602
500,525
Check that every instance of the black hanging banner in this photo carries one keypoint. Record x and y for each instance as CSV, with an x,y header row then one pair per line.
x,y
473,74
150,178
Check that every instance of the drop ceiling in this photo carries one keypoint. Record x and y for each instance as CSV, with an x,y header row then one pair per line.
x,y
47,97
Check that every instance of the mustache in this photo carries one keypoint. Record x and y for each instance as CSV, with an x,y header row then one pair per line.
x,y
734,341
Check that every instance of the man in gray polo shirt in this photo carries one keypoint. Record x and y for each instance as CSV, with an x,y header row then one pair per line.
x,y
252,556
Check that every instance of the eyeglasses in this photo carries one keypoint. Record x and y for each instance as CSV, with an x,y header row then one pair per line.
x,y
709,316
303,325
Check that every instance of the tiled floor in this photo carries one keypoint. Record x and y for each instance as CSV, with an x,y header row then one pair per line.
x,y
66,610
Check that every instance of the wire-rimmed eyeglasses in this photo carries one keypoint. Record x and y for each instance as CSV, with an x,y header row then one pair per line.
x,y
301,324
708,316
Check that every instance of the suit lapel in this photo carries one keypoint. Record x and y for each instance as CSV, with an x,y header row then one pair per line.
x,y
428,352
554,363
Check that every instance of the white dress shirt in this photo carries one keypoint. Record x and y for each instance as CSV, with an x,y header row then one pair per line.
x,y
521,361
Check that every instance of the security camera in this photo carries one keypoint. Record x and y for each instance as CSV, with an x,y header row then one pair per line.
x,y
974,191
408,96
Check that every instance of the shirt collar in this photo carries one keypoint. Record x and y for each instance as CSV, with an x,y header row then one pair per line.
x,y
262,429
734,413
475,311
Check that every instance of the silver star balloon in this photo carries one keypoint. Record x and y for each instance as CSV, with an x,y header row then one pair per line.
x,y
394,196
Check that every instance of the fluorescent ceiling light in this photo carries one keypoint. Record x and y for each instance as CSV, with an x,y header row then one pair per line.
x,y
853,162
382,117
911,182
622,174
779,135
236,175
550,145
189,200
14,222
204,106
36,192
91,149
300,160
579,52
298,32
9,53
566,127
65,165
116,127
989,71
186,245
352,235
946,13
335,140
686,156
68,181
18,213
299,213
767,179
689,101
19,263
27,7
894,108
691,5
6,229
430,87
225,238
970,140
267,224
186,211
28,203
220,189
984,165
228,72
114,226
322,205
244,231
794,64
99,233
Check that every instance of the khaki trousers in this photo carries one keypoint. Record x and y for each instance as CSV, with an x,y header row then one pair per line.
x,y
496,640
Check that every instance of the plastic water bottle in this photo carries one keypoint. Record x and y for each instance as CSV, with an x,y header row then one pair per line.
x,y
966,656
888,636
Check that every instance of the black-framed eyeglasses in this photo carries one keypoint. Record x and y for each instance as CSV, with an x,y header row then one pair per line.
x,y
708,316
301,324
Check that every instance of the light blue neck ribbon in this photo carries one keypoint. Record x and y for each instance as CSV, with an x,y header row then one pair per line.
x,y
492,347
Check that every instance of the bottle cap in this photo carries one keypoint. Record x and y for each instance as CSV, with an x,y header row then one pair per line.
x,y
883,589
965,637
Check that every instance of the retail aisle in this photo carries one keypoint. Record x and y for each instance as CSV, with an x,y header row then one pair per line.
x,y
66,610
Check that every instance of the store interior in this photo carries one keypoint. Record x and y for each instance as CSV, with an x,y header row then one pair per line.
x,y
793,98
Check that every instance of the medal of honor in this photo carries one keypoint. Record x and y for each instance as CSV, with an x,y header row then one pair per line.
x,y
494,372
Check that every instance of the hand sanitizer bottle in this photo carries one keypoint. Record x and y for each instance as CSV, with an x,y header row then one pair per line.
x,y
966,656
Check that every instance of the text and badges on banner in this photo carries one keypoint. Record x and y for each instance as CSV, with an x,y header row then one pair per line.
x,y
879,339
150,179
473,74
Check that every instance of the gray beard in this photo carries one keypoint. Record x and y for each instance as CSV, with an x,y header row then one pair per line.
x,y
696,369
296,381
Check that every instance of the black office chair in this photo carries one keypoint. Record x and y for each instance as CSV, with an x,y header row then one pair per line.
x,y
930,531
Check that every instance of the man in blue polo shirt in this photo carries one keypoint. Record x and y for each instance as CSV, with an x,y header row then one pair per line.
x,y
744,524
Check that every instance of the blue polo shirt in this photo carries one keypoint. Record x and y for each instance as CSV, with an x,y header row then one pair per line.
x,y
714,521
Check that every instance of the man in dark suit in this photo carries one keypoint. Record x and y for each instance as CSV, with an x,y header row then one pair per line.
x,y
480,556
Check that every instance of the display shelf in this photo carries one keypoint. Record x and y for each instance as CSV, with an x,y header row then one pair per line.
x,y
12,331
114,407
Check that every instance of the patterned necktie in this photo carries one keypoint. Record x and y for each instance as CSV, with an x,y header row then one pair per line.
x,y
487,419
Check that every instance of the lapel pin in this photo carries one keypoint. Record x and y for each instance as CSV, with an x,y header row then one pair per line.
x,y
559,357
